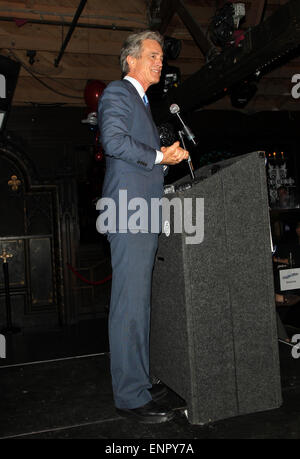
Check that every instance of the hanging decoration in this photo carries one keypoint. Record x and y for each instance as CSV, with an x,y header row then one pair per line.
x,y
92,93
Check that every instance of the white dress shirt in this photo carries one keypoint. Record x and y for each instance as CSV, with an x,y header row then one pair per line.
x,y
140,90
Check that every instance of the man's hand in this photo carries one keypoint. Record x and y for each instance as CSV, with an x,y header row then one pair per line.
x,y
174,154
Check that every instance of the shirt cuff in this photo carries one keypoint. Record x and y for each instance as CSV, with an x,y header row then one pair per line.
x,y
159,157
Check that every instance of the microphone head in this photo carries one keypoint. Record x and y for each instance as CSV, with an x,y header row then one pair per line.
x,y
174,109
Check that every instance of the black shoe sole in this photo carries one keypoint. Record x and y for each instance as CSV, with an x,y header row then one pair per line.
x,y
146,420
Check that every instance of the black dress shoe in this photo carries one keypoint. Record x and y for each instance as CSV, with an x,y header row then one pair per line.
x,y
158,391
151,413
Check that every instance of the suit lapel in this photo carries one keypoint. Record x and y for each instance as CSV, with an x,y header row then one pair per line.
x,y
141,102
139,99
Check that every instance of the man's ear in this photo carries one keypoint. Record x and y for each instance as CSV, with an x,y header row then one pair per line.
x,y
130,61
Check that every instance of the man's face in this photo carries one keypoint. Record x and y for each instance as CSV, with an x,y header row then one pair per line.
x,y
147,68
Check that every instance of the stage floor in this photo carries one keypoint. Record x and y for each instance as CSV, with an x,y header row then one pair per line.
x,y
57,386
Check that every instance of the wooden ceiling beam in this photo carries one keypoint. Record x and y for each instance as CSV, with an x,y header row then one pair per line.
x,y
63,24
168,16
200,38
49,38
255,13
280,36
118,11
70,31
79,66
168,8
107,68
93,66
29,91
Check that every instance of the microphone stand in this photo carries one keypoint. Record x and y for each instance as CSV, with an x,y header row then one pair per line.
x,y
189,160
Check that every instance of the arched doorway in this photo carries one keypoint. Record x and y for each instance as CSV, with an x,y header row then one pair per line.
x,y
30,232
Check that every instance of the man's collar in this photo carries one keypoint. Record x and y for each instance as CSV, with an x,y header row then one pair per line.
x,y
136,84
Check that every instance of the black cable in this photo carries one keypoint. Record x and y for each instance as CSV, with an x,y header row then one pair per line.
x,y
41,73
40,81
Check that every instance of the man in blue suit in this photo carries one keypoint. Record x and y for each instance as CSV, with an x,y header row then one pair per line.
x,y
135,165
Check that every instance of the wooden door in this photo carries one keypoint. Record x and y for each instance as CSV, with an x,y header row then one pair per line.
x,y
29,231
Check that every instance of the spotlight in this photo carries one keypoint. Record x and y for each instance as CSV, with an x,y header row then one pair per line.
x,y
172,48
170,78
224,23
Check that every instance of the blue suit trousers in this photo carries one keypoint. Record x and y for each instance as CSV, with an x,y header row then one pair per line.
x,y
132,258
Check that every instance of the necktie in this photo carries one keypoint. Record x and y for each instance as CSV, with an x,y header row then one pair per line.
x,y
146,101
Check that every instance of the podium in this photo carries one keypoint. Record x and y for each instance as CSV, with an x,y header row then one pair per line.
x,y
213,336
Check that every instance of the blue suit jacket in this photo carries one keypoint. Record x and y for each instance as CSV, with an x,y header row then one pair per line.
x,y
130,139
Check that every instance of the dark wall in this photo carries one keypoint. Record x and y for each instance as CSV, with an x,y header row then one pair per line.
x,y
54,138
59,143
57,140
235,128
222,132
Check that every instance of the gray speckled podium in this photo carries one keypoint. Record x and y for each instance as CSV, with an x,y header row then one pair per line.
x,y
213,325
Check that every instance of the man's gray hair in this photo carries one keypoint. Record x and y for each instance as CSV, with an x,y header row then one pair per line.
x,y
133,46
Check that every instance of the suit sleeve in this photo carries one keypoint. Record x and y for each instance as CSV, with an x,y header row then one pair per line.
x,y
116,109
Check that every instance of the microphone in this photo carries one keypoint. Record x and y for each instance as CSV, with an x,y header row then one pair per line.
x,y
174,109
167,134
